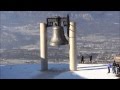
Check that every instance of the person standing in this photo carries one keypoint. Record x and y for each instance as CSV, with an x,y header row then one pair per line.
x,y
117,68
109,66
82,59
114,67
91,59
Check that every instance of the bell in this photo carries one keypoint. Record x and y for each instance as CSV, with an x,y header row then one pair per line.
x,y
58,37
63,37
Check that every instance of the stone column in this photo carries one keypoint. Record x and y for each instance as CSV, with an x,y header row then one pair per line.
x,y
43,47
72,45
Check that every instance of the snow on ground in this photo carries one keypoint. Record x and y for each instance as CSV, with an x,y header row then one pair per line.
x,y
24,71
28,71
88,71
56,71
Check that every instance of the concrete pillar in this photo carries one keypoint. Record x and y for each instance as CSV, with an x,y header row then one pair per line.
x,y
43,47
72,45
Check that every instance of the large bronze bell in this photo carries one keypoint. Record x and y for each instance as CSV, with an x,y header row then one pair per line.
x,y
58,37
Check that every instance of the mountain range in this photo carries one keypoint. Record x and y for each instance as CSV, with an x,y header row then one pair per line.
x,y
20,29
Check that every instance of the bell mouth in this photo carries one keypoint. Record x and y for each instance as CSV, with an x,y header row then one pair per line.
x,y
58,37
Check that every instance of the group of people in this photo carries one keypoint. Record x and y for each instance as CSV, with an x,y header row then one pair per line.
x,y
82,59
115,67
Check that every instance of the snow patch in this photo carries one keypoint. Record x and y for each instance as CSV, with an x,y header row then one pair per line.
x,y
28,71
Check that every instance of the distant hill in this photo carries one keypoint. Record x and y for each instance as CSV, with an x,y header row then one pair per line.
x,y
19,29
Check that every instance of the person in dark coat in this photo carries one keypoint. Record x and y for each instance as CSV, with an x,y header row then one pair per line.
x,y
109,66
117,68
91,59
82,59
114,67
